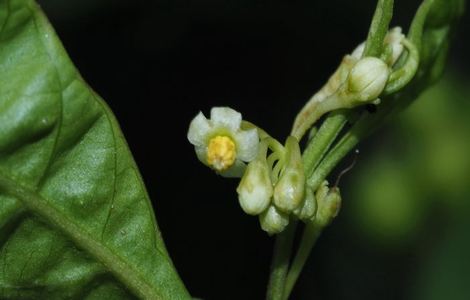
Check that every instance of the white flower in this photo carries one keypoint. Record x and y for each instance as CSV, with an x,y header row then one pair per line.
x,y
221,143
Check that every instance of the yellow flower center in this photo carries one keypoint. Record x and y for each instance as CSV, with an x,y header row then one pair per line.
x,y
221,153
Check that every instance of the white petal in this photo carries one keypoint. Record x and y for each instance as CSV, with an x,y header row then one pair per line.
x,y
357,53
227,117
247,144
235,171
198,130
201,153
395,38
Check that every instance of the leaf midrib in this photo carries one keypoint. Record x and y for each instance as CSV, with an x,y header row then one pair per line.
x,y
126,273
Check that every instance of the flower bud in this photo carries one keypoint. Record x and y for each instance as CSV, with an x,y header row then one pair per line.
x,y
273,221
255,189
308,208
328,206
322,190
289,190
394,39
368,78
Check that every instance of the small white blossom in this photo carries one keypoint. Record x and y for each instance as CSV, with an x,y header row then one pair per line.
x,y
221,143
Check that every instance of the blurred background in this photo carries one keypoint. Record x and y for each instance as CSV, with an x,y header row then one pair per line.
x,y
404,229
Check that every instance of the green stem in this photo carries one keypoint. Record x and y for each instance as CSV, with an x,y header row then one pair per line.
x,y
378,28
323,139
280,262
346,144
316,149
321,142
366,124
363,127
310,235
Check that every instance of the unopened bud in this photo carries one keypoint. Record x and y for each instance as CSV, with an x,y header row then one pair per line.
x,y
255,189
368,78
273,221
289,190
328,207
306,211
394,40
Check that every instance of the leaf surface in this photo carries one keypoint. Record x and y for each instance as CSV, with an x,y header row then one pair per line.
x,y
75,218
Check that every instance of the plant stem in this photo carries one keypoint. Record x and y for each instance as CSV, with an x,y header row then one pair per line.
x,y
280,262
343,147
310,235
322,140
316,149
317,163
364,126
378,28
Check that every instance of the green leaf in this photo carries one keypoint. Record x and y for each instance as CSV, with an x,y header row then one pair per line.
x,y
379,28
75,218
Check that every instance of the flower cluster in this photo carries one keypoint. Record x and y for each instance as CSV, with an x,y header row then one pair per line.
x,y
273,186
273,183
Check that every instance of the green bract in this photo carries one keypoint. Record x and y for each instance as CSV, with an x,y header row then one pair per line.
x,y
75,218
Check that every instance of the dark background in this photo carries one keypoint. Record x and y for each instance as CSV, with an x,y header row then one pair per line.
x,y
157,63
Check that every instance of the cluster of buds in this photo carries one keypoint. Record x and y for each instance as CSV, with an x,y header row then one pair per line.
x,y
272,185
273,181
280,184
361,80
